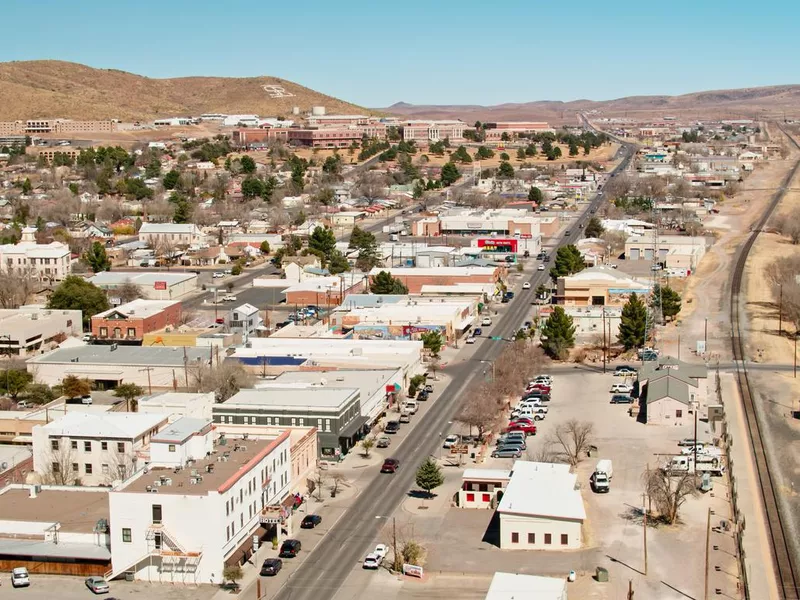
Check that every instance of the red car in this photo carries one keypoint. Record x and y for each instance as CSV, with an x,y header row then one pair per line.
x,y
390,465
525,427
539,386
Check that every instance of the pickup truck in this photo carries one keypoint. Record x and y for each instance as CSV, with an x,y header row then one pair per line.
x,y
229,298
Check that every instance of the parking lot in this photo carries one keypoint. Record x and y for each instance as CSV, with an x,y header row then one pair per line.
x,y
47,587
464,540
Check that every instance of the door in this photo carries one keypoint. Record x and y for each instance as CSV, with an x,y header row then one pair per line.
x,y
156,514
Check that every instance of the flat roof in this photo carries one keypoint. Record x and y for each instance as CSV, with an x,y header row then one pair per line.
x,y
434,271
139,308
242,455
542,490
292,398
121,277
173,399
171,356
116,425
77,510
20,320
486,474
515,586
179,431
368,382
48,549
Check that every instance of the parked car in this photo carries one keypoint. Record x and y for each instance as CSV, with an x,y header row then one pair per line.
x,y
624,371
534,394
381,550
228,271
392,427
405,417
86,399
390,465
471,339
372,561
23,404
486,321
383,441
509,295
526,285
98,585
621,399
20,577
477,331
423,395
451,440
428,388
229,298
513,436
621,388
544,379
218,275
290,548
516,445
525,428
540,267
310,521
506,453
271,566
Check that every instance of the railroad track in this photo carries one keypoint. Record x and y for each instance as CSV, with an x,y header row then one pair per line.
x,y
781,552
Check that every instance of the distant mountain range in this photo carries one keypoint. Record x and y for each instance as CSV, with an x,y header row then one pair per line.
x,y
750,103
51,88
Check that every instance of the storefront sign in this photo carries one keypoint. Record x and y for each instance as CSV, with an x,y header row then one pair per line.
x,y
160,285
412,570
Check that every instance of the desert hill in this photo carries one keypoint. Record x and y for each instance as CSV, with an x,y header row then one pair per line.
x,y
750,103
50,88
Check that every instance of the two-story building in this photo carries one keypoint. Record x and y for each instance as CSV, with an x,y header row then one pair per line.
x,y
93,448
131,321
184,523
47,262
244,320
335,412
175,234
29,329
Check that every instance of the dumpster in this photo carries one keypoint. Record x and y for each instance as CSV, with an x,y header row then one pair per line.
x,y
601,574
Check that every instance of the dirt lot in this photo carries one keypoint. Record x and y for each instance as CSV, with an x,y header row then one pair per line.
x,y
613,531
600,155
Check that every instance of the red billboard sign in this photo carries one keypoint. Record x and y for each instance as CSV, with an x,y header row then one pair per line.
x,y
160,285
502,245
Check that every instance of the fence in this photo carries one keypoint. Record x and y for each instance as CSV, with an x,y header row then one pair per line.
x,y
737,518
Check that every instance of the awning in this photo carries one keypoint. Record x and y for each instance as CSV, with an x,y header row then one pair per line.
x,y
353,427
466,323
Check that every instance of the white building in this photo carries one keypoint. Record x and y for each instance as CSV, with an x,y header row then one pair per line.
x,y
48,262
28,329
93,448
244,320
514,586
177,234
108,366
541,509
185,524
235,120
178,404
152,286
181,441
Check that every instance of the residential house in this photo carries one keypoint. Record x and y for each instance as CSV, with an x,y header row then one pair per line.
x,y
671,390
175,234
245,321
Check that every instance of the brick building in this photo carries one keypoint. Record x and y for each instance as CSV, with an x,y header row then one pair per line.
x,y
131,321
415,278
433,131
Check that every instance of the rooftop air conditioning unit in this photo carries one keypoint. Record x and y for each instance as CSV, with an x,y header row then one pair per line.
x,y
157,483
243,448
167,481
154,490
194,472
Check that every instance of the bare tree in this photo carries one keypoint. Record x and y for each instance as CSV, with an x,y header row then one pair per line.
x,y
118,466
320,479
61,466
669,493
128,292
619,187
367,444
371,185
338,480
224,379
789,226
573,440
615,241
481,410
17,288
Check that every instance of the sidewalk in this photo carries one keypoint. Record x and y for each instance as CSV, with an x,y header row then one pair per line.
x,y
755,540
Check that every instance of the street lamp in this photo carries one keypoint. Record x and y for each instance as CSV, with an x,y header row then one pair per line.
x,y
489,362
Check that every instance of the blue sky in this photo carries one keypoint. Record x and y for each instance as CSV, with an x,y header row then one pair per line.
x,y
375,52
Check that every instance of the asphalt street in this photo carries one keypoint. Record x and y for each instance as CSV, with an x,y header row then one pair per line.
x,y
347,542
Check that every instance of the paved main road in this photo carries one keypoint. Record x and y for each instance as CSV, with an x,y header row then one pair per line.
x,y
326,568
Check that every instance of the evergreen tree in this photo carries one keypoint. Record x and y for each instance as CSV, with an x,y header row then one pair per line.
x,y
27,186
338,263
384,283
429,476
667,300
568,261
505,170
76,293
594,228
633,323
248,164
171,179
96,258
322,240
558,334
450,174
535,195
432,342
521,154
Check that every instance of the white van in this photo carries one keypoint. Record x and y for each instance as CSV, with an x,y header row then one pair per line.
x,y
604,465
411,406
601,478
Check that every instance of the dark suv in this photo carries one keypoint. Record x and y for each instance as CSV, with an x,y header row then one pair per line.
x,y
271,566
392,427
290,549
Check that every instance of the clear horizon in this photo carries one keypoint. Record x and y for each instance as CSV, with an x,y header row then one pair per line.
x,y
444,53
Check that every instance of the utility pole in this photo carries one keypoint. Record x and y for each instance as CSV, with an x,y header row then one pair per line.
x,y
149,384
708,541
604,340
186,367
780,309
630,589
795,354
705,335
644,521
695,440
394,543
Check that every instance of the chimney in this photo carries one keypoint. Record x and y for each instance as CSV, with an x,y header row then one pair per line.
x,y
33,491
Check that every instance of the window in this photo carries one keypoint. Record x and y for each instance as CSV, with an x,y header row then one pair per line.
x,y
121,447
74,445
531,538
87,467
301,421
228,532
548,538
131,332
104,332
515,537
564,539
327,424
319,424
470,497
55,467
126,535
482,487
678,414
103,445
172,447
54,444
75,467
87,446
104,469
486,497
294,421
157,514
157,540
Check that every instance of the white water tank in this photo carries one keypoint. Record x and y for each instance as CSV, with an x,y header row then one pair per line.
x,y
317,111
